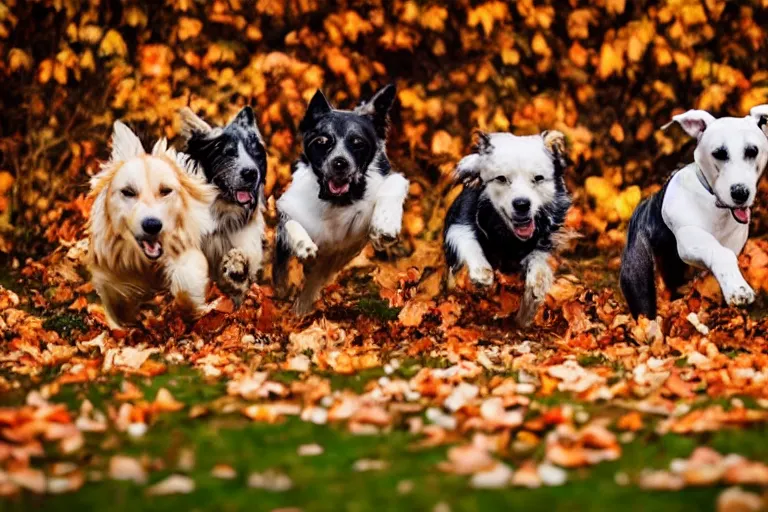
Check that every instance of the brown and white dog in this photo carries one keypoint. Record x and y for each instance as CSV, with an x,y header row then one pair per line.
x,y
148,219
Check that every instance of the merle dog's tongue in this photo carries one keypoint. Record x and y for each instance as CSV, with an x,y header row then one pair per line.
x,y
243,196
338,188
741,215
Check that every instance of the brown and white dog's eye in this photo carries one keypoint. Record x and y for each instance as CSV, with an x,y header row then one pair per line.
x,y
128,192
165,191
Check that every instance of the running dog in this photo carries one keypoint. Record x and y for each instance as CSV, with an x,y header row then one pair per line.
x,y
513,204
147,223
701,215
343,194
234,159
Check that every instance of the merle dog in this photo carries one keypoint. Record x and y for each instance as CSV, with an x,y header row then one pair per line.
x,y
343,194
513,203
233,158
701,215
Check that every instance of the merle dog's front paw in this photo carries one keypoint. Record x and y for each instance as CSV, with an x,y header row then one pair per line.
x,y
740,295
235,274
481,276
383,239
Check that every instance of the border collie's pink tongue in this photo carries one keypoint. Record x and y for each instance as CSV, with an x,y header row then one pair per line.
x,y
524,231
152,249
243,196
741,215
338,188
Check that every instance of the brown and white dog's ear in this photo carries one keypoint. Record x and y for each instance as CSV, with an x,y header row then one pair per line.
x,y
468,169
192,124
125,143
554,141
694,122
760,113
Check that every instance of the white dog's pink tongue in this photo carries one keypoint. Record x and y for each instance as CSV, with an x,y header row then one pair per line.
x,y
741,214
243,196
525,231
338,188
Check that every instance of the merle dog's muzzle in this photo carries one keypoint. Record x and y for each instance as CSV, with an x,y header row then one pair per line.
x,y
339,176
245,192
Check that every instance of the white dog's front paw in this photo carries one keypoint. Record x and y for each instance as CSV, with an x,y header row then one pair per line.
x,y
382,238
305,249
481,276
740,294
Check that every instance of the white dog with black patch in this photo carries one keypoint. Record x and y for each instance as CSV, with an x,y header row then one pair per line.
x,y
701,215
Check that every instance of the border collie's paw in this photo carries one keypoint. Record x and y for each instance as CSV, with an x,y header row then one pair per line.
x,y
305,249
235,272
382,239
481,276
740,295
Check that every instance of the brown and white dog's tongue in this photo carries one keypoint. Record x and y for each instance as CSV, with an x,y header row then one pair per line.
x,y
338,188
741,214
243,196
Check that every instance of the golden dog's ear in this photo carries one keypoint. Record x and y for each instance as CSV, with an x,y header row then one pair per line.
x,y
125,143
192,124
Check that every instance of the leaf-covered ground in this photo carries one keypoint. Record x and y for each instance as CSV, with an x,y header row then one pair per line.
x,y
396,393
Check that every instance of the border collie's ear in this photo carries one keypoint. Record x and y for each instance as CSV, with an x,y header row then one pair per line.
x,y
482,145
378,108
245,118
468,169
694,122
554,141
760,113
125,143
192,124
318,107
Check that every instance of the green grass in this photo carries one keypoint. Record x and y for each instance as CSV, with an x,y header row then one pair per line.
x,y
328,482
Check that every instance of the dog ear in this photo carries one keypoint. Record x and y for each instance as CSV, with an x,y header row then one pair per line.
x,y
192,124
245,118
482,145
125,143
760,113
318,107
468,169
694,122
554,141
378,108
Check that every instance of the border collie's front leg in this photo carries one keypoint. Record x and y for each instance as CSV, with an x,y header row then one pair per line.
x,y
250,240
291,238
387,217
462,248
538,281
698,247
636,277
188,278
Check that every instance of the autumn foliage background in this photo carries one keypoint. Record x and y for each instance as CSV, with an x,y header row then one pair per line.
x,y
607,73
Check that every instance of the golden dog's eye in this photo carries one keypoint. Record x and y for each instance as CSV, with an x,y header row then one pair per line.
x,y
164,191
500,179
128,192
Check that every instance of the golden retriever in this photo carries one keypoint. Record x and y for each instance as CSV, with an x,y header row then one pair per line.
x,y
147,222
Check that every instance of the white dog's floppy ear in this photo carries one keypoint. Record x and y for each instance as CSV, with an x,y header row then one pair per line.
x,y
125,143
191,123
694,122
760,113
468,169
554,141
378,108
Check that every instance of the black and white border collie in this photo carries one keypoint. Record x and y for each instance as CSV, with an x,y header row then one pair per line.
x,y
343,194
513,202
701,215
234,159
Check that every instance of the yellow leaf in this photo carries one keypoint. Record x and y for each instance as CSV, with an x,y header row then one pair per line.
x,y
611,61
19,59
627,201
45,71
189,28
113,44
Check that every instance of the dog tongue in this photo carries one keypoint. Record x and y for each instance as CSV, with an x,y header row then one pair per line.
x,y
151,249
741,214
338,188
243,196
525,231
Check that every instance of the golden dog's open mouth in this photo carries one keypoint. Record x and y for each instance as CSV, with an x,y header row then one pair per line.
x,y
151,247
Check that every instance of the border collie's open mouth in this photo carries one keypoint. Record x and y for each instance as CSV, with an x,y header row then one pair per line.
x,y
524,230
243,197
338,188
151,246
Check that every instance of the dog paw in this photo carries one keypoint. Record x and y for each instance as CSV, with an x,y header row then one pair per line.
x,y
481,276
235,274
305,249
382,239
741,295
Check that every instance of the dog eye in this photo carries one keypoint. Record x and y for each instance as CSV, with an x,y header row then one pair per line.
x,y
358,142
538,179
750,152
128,192
321,141
500,179
164,191
720,154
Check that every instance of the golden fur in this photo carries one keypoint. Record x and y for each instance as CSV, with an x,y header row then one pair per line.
x,y
160,188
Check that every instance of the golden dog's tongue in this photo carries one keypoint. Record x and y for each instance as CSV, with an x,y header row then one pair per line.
x,y
742,214
151,249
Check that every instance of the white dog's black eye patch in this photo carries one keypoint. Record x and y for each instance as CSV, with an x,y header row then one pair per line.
x,y
750,152
721,154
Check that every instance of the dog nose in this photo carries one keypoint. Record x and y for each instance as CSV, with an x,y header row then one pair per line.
x,y
249,174
151,225
739,194
521,205
340,164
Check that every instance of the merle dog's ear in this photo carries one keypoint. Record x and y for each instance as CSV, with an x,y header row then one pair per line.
x,y
192,124
378,108
694,122
760,113
245,118
318,107
125,143
554,141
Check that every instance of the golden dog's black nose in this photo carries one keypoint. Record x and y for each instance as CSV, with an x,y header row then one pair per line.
x,y
151,225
